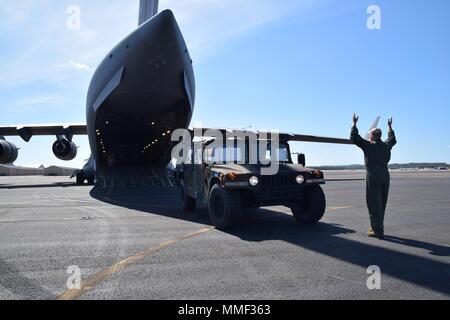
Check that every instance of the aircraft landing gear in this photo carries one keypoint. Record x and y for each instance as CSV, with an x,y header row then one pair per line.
x,y
80,178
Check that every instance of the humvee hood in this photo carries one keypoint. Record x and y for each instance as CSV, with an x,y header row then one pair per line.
x,y
284,168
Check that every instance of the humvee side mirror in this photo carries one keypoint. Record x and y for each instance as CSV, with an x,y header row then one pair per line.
x,y
301,159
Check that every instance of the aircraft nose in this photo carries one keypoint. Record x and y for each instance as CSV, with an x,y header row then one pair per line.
x,y
166,14
165,18
162,29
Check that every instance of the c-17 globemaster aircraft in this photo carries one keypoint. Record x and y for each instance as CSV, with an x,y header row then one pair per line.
x,y
141,92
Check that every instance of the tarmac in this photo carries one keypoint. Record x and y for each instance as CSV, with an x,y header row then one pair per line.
x,y
140,245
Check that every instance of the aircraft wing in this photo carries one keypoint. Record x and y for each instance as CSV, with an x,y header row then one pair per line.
x,y
306,138
28,131
282,136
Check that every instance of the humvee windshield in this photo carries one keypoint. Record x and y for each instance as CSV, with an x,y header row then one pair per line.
x,y
248,155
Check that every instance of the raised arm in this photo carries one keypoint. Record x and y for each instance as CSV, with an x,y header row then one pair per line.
x,y
391,140
355,138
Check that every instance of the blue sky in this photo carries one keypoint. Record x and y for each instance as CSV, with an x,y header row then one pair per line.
x,y
297,66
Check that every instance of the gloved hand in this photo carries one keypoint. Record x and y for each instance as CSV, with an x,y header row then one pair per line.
x,y
355,119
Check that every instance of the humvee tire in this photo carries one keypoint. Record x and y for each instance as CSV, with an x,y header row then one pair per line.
x,y
224,207
188,203
312,208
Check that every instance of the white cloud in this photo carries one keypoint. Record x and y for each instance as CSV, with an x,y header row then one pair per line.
x,y
39,100
209,25
38,31
17,12
78,66
40,54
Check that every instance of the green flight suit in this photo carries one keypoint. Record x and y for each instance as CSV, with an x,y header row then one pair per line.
x,y
377,155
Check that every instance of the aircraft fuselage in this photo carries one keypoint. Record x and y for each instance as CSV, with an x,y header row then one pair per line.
x,y
142,91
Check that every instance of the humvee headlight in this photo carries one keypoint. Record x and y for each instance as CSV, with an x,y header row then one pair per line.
x,y
253,181
300,179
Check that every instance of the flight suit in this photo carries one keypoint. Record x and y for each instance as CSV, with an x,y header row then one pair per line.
x,y
377,155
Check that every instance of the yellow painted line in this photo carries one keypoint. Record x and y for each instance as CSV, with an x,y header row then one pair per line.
x,y
119,266
340,208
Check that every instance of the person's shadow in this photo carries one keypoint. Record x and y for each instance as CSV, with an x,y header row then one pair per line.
x,y
323,238
434,249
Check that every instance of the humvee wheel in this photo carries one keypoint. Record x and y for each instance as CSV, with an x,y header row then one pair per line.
x,y
224,207
312,208
188,203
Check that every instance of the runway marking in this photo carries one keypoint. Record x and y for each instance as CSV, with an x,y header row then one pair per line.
x,y
40,220
97,278
340,208
100,276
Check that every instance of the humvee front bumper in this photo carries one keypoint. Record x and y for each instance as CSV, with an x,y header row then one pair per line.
x,y
274,190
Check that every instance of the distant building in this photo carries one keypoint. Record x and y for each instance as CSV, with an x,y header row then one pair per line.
x,y
12,170
58,171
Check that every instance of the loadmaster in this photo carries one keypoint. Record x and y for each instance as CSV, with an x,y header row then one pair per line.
x,y
377,154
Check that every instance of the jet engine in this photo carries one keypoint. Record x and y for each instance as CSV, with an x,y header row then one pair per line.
x,y
65,150
8,152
